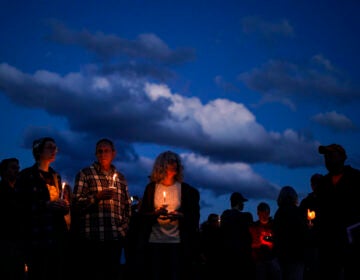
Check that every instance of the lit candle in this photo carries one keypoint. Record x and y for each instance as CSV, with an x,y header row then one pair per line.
x,y
113,182
112,186
310,216
164,194
62,190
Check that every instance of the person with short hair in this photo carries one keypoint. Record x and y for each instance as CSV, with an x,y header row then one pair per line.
x,y
236,239
339,216
308,205
266,264
101,210
210,241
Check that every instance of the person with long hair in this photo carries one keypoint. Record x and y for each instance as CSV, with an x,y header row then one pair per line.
x,y
170,211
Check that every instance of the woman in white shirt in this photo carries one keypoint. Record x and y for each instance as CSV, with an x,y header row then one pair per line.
x,y
170,211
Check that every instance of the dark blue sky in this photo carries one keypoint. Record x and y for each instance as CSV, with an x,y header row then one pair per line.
x,y
245,91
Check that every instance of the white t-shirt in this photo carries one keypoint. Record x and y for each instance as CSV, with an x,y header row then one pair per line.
x,y
166,230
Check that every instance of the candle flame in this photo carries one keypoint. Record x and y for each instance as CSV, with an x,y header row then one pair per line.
x,y
311,215
62,190
113,181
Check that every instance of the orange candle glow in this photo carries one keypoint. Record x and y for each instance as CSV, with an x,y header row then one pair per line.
x,y
62,190
113,182
164,195
310,215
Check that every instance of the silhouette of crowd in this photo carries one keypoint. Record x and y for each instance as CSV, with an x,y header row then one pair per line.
x,y
54,231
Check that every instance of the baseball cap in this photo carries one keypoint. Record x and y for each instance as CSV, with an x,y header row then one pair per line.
x,y
236,196
332,148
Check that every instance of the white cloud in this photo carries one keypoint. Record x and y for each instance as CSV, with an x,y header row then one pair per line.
x,y
102,84
334,120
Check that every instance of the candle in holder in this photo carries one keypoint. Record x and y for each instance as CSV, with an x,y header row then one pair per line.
x,y
164,195
62,190
310,216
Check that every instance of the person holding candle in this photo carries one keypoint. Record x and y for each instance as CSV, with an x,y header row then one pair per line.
x,y
310,209
310,202
266,265
339,210
170,212
102,210
45,230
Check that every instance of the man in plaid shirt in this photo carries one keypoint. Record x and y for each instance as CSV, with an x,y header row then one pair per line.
x,y
101,212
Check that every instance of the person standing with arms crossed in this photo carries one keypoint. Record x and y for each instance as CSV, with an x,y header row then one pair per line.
x,y
101,215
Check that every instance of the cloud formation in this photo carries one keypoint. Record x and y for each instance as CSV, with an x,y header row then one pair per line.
x,y
126,94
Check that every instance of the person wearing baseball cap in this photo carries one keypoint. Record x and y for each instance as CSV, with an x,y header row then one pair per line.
x,y
236,239
335,156
332,148
339,210
237,198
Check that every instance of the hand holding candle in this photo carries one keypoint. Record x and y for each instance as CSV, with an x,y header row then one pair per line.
x,y
162,211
